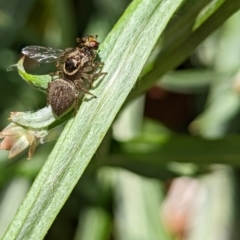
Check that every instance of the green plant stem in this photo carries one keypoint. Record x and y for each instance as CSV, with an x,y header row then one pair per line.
x,y
158,153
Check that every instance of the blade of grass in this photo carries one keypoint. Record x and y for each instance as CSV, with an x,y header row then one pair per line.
x,y
124,52
187,81
155,153
185,37
138,201
95,224
215,121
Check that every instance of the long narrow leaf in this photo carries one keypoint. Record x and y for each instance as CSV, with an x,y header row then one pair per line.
x,y
190,27
124,52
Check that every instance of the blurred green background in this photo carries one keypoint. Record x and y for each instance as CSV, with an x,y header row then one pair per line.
x,y
171,160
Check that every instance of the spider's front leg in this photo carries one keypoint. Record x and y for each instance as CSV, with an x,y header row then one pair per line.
x,y
65,54
90,77
83,85
57,73
92,66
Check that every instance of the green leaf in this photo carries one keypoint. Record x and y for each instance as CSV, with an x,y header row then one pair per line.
x,y
124,52
142,196
38,81
156,153
95,225
185,32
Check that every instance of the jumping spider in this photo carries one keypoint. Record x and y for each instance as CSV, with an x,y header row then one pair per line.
x,y
76,71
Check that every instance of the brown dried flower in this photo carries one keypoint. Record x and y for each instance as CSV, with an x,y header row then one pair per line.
x,y
17,138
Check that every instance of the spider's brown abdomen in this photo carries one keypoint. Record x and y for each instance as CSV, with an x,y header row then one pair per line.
x,y
61,95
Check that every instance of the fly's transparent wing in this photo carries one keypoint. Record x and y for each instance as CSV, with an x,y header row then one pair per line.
x,y
42,54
